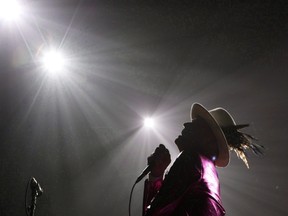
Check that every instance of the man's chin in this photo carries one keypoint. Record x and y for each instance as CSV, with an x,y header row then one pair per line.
x,y
179,142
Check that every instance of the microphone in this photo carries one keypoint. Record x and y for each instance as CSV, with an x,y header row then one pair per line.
x,y
144,173
151,162
35,187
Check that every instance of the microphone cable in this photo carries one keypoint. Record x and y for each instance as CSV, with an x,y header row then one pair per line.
x,y
130,198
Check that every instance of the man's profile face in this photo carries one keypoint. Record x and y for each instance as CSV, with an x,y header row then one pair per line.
x,y
196,132
187,134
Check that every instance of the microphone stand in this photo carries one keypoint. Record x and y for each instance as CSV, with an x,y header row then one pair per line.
x,y
32,207
36,192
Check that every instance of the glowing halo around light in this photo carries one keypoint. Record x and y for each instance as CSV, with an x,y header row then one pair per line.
x,y
10,10
149,122
54,62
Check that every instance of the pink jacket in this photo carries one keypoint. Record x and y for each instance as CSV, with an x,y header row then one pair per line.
x,y
191,188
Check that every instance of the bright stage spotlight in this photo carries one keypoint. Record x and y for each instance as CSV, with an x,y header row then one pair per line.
x,y
149,122
54,62
10,10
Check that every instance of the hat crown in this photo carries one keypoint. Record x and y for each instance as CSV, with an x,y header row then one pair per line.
x,y
223,118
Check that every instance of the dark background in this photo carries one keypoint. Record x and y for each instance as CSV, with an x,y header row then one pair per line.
x,y
81,135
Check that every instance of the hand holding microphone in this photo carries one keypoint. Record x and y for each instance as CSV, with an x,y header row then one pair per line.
x,y
158,161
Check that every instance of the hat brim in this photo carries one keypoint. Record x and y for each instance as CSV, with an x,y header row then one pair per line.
x,y
197,110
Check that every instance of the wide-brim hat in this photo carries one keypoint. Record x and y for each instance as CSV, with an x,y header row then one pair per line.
x,y
216,118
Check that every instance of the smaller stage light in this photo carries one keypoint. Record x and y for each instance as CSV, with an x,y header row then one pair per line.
x,y
149,122
10,10
54,62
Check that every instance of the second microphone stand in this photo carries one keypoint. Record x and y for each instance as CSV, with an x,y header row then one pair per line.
x,y
36,192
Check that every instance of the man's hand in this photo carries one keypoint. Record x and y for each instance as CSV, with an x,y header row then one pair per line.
x,y
159,161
